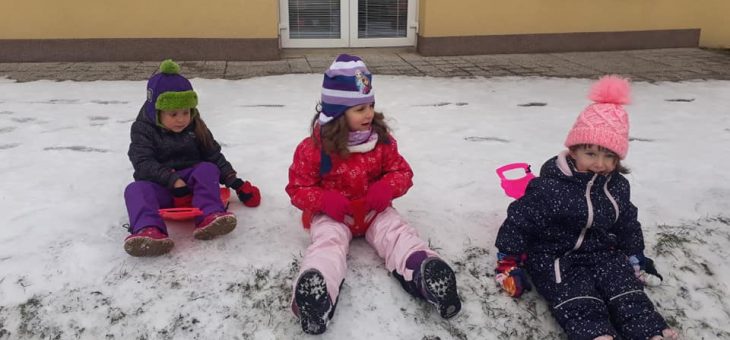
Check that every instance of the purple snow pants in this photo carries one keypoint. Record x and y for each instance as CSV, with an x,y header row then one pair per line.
x,y
145,198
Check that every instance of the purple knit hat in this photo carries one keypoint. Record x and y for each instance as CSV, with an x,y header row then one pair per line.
x,y
168,90
347,83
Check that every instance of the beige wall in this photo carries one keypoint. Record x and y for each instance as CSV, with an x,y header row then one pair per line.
x,y
445,18
80,19
716,24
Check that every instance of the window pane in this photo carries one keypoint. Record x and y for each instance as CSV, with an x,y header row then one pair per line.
x,y
314,19
382,18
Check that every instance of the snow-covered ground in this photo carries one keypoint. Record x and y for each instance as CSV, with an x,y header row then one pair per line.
x,y
63,169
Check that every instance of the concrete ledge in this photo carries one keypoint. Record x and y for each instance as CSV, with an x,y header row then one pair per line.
x,y
558,42
155,49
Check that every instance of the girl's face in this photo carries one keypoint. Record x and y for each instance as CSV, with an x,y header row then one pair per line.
x,y
175,120
360,117
594,159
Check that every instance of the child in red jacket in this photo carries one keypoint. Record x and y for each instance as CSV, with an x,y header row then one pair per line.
x,y
349,162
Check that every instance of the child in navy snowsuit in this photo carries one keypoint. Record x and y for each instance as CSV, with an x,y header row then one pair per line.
x,y
177,163
576,233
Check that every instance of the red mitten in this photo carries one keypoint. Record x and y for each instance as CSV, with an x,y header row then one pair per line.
x,y
379,196
182,197
335,205
247,193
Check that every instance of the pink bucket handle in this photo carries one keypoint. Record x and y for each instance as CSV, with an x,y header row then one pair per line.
x,y
515,188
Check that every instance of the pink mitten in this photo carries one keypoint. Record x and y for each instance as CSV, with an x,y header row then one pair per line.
x,y
335,205
379,196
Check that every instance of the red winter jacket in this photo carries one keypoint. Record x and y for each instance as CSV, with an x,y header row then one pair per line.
x,y
351,176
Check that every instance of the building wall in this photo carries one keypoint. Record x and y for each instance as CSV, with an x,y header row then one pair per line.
x,y
715,24
132,29
104,30
556,20
74,19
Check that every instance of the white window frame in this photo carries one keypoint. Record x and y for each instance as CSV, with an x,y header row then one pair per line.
x,y
348,29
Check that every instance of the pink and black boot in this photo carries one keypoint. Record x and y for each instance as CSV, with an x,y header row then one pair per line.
x,y
148,241
215,224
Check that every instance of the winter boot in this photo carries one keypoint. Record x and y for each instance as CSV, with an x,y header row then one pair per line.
x,y
149,241
218,223
312,302
433,281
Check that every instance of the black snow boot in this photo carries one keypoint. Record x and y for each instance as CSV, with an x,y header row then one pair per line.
x,y
313,302
433,281
438,286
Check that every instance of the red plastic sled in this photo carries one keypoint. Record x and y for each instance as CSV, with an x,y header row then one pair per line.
x,y
187,213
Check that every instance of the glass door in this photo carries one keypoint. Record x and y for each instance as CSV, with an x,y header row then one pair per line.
x,y
314,23
347,23
379,23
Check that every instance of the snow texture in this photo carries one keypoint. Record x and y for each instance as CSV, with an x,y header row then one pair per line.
x,y
65,275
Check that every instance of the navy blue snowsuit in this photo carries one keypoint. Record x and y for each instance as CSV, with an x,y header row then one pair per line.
x,y
577,230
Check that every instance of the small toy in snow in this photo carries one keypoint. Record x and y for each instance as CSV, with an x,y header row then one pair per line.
x,y
515,188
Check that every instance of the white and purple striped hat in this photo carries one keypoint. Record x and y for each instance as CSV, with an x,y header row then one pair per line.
x,y
347,82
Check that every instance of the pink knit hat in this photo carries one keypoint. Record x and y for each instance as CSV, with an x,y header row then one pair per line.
x,y
604,123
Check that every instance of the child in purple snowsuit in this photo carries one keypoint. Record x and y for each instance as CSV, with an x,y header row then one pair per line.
x,y
576,233
177,163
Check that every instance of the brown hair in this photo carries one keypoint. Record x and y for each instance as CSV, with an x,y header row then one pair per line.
x,y
335,133
201,130
619,167
205,139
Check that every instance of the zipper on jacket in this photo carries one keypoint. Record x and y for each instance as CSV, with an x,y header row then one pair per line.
x,y
579,242
610,198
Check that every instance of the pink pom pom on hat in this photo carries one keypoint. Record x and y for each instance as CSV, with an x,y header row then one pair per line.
x,y
604,123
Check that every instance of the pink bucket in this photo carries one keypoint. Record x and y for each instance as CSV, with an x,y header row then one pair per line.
x,y
515,188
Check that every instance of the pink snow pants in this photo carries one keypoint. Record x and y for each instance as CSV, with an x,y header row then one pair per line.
x,y
392,237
